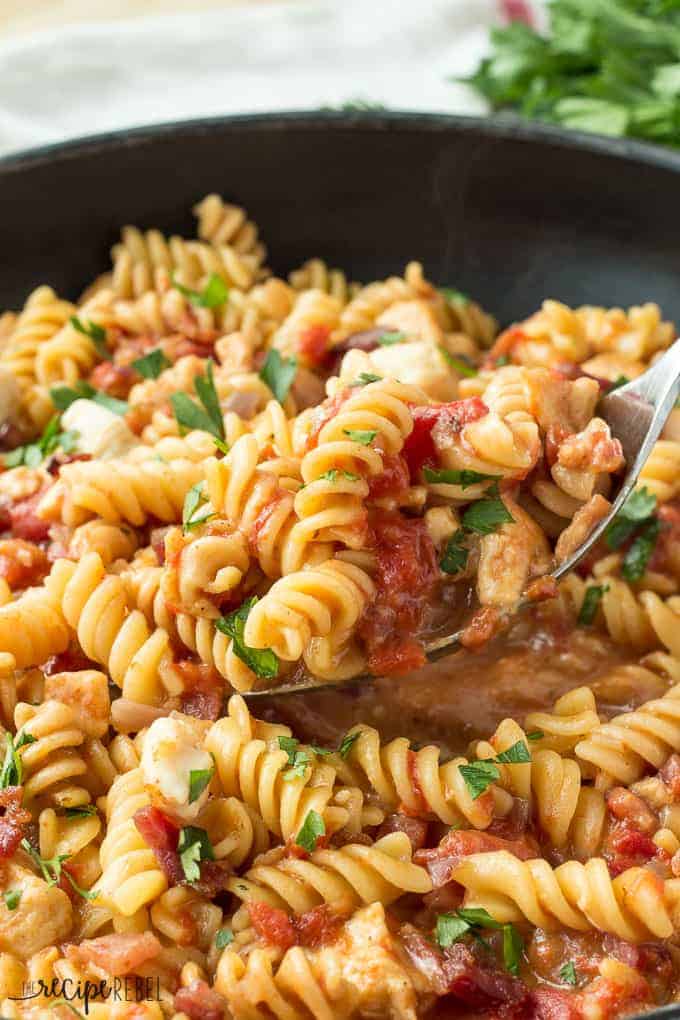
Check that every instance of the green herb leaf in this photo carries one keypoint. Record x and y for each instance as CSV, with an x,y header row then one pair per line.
x,y
313,827
12,898
194,500
214,294
461,365
455,555
517,754
478,776
364,379
486,515
95,333
278,373
335,473
189,415
502,360
513,947
455,296
52,870
221,445
638,556
640,505
33,454
199,779
207,394
262,661
152,364
64,396
450,928
479,917
12,772
535,735
391,337
297,760
193,847
224,938
591,601
83,811
621,380
463,478
364,437
208,416
568,973
348,742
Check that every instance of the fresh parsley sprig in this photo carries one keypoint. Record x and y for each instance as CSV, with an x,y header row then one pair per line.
x,y
214,294
152,364
52,869
636,520
263,661
12,772
64,396
193,847
51,440
312,830
479,775
194,502
95,332
279,373
206,416
452,927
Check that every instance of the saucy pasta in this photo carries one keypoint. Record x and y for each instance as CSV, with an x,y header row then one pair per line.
x,y
216,480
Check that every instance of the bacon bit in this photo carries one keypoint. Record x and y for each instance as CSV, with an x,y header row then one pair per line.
x,y
669,774
24,521
484,625
13,820
415,828
515,824
449,420
592,449
456,972
214,878
542,588
627,806
203,687
272,925
406,574
504,344
367,341
555,1004
312,344
324,413
440,861
393,481
626,847
22,563
318,927
161,835
117,380
554,438
199,1002
70,661
116,954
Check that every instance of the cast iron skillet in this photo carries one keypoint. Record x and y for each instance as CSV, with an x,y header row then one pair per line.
x,y
510,213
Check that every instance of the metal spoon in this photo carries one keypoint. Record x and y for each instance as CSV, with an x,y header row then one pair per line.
x,y
636,413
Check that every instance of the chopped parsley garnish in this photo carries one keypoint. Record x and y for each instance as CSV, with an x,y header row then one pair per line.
x,y
12,898
34,453
451,928
262,661
461,364
391,337
635,520
214,294
479,775
221,445
83,811
278,373
64,396
362,436
535,735
591,601
52,870
335,473
568,973
455,296
298,760
193,847
12,772
463,478
455,555
502,360
224,938
95,333
485,515
195,501
207,416
152,364
312,828
621,380
199,779
364,378
347,743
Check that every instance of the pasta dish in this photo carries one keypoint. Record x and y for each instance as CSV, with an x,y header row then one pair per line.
x,y
216,481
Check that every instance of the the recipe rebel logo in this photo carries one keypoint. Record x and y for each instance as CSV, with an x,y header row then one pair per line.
x,y
79,995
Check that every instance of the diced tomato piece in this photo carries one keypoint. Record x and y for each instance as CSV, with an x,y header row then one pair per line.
x,y
116,380
272,925
22,563
24,521
420,448
156,829
317,927
392,481
13,820
626,847
461,843
627,806
555,1004
312,344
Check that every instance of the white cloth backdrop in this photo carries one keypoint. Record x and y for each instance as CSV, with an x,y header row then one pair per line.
x,y
88,78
